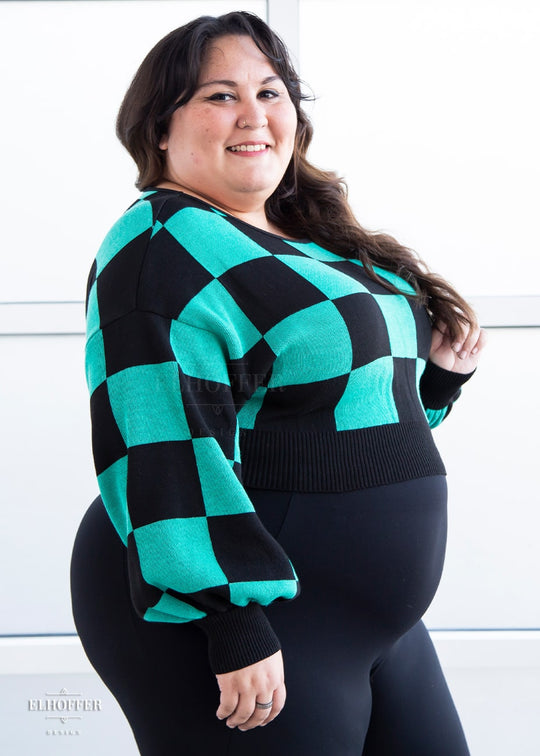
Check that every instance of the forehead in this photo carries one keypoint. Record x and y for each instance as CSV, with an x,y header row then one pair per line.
x,y
234,53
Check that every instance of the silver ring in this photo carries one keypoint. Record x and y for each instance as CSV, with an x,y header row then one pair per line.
x,y
264,705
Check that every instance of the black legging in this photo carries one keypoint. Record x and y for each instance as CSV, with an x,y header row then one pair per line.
x,y
361,673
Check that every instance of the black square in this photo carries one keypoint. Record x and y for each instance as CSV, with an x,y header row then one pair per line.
x,y
143,595
139,338
246,551
118,281
210,411
367,328
171,277
163,482
214,599
271,289
423,329
302,408
404,390
250,371
107,443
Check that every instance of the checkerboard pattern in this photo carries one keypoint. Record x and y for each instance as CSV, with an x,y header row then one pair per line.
x,y
219,356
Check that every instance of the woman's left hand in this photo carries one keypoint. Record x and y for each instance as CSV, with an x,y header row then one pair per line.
x,y
460,356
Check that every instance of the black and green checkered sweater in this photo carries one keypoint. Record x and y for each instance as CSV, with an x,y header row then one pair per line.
x,y
221,356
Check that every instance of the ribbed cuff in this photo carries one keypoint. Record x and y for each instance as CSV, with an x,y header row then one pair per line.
x,y
440,387
238,638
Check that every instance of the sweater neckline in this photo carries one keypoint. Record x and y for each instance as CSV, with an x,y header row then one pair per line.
x,y
226,214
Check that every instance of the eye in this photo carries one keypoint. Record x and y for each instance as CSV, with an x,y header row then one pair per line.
x,y
220,97
269,94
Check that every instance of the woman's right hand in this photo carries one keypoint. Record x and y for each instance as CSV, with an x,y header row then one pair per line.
x,y
241,689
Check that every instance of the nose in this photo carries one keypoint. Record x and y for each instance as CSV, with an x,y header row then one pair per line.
x,y
252,114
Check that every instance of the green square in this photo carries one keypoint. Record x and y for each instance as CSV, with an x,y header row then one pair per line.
x,y
178,553
315,251
303,342
248,414
215,310
262,591
198,352
96,370
368,400
147,404
400,324
223,494
113,487
171,609
212,240
394,279
134,222
333,283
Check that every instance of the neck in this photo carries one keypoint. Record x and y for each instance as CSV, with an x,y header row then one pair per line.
x,y
255,217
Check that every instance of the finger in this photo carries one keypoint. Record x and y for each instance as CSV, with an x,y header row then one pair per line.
x,y
227,704
471,339
280,694
259,714
481,342
244,710
464,349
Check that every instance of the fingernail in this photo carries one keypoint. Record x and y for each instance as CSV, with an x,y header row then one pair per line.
x,y
475,350
462,355
457,347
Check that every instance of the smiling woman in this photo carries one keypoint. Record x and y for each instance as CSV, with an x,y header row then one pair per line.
x,y
264,374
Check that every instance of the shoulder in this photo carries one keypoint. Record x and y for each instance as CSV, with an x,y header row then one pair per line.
x,y
164,249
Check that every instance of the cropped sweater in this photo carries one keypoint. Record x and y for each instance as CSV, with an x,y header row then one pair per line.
x,y
219,357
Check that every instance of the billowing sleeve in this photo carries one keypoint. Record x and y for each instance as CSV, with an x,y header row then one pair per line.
x,y
439,389
166,449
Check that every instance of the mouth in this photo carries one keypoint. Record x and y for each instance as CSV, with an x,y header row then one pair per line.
x,y
249,147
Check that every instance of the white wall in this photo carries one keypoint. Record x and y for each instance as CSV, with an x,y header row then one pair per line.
x,y
428,108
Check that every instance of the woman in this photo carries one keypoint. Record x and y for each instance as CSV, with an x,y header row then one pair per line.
x,y
263,375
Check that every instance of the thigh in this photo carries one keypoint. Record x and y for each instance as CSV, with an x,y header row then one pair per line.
x,y
158,672
412,710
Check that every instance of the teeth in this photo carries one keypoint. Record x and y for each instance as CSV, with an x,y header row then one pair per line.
x,y
249,148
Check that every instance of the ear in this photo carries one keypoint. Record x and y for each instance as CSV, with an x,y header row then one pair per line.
x,y
164,142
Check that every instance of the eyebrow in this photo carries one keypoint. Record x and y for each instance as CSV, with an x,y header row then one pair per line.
x,y
229,83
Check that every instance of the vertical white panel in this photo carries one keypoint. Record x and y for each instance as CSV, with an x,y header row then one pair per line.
x,y
489,443
47,478
430,111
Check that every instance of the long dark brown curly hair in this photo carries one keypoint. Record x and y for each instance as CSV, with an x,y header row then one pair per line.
x,y
309,202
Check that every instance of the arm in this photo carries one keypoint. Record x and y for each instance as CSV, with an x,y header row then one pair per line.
x,y
165,441
450,365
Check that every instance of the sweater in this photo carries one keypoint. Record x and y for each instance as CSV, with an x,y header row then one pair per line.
x,y
221,357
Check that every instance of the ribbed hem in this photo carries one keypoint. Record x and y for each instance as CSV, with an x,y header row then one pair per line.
x,y
338,460
440,387
238,638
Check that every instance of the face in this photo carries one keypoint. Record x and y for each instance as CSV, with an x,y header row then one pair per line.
x,y
232,142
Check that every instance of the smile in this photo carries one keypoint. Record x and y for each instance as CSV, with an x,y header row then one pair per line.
x,y
249,148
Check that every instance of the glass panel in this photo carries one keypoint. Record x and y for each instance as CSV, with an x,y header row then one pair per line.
x,y
430,111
